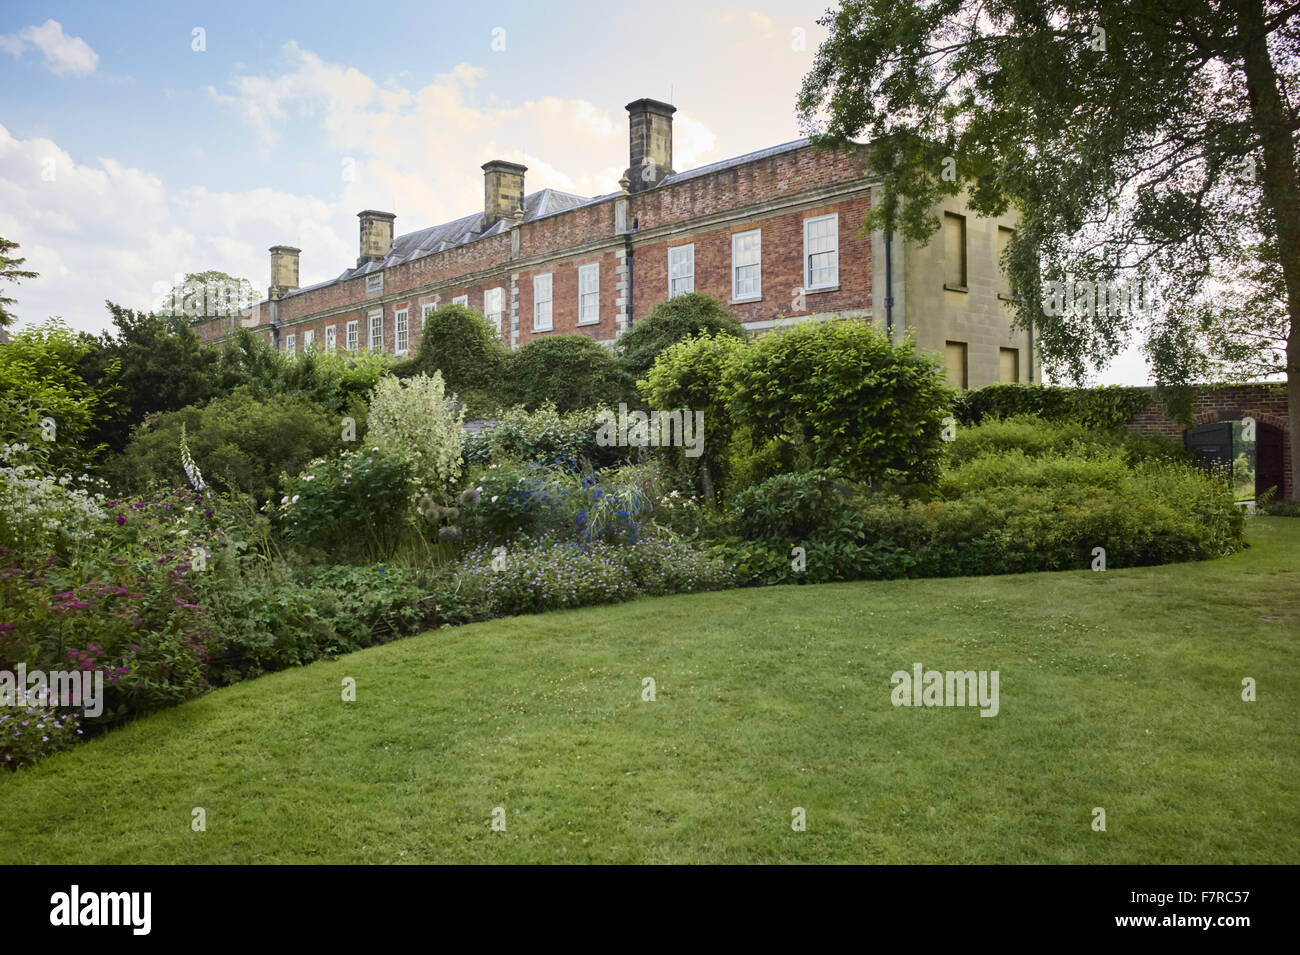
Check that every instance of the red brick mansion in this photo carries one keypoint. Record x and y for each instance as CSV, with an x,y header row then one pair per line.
x,y
776,234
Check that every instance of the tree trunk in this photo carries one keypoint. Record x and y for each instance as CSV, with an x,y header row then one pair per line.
x,y
1268,114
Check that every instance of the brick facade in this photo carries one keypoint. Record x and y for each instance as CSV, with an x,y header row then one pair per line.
x,y
629,235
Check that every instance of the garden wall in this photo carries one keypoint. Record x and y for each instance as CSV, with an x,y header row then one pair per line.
x,y
1264,402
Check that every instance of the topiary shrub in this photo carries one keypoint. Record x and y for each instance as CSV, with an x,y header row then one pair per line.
x,y
671,321
570,372
464,346
850,398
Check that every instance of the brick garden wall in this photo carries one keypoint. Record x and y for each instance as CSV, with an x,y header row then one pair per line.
x,y
1266,403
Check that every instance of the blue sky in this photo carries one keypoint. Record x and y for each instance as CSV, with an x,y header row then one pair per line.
x,y
127,156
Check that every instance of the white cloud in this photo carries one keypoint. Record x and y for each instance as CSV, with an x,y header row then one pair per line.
x,y
421,148
107,231
64,55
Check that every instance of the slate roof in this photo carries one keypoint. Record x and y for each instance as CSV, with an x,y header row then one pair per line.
x,y
537,205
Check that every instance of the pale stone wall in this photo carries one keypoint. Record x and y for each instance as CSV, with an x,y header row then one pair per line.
x,y
977,316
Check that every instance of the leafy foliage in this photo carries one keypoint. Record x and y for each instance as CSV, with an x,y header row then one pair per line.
x,y
846,397
355,506
464,346
684,316
1110,406
240,443
45,403
340,381
689,376
412,419
569,372
542,435
9,272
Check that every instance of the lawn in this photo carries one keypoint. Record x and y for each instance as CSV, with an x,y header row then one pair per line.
x,y
1120,689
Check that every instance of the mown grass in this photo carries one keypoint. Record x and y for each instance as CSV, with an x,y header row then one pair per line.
x,y
1119,690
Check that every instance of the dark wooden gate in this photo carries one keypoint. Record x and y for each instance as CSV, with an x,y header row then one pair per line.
x,y
1211,443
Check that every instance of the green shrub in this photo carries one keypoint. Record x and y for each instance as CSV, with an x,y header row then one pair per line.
x,y
355,507
45,403
569,372
465,347
279,618
542,435
794,508
1035,436
689,376
676,319
851,399
413,419
150,364
340,381
241,444
533,577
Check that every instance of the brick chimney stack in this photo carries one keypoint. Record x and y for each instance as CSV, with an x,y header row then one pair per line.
x,y
650,140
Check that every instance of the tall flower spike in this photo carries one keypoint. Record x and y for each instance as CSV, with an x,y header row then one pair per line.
x,y
187,464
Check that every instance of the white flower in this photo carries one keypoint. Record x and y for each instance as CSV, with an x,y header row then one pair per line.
x,y
295,499
285,499
494,497
310,477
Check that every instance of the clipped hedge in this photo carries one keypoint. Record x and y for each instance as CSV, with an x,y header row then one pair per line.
x,y
1106,407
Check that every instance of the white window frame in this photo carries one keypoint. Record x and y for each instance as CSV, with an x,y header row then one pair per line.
x,y
677,252
374,282
350,340
548,301
291,344
497,295
589,271
757,294
375,317
402,330
461,300
308,339
331,339
808,285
